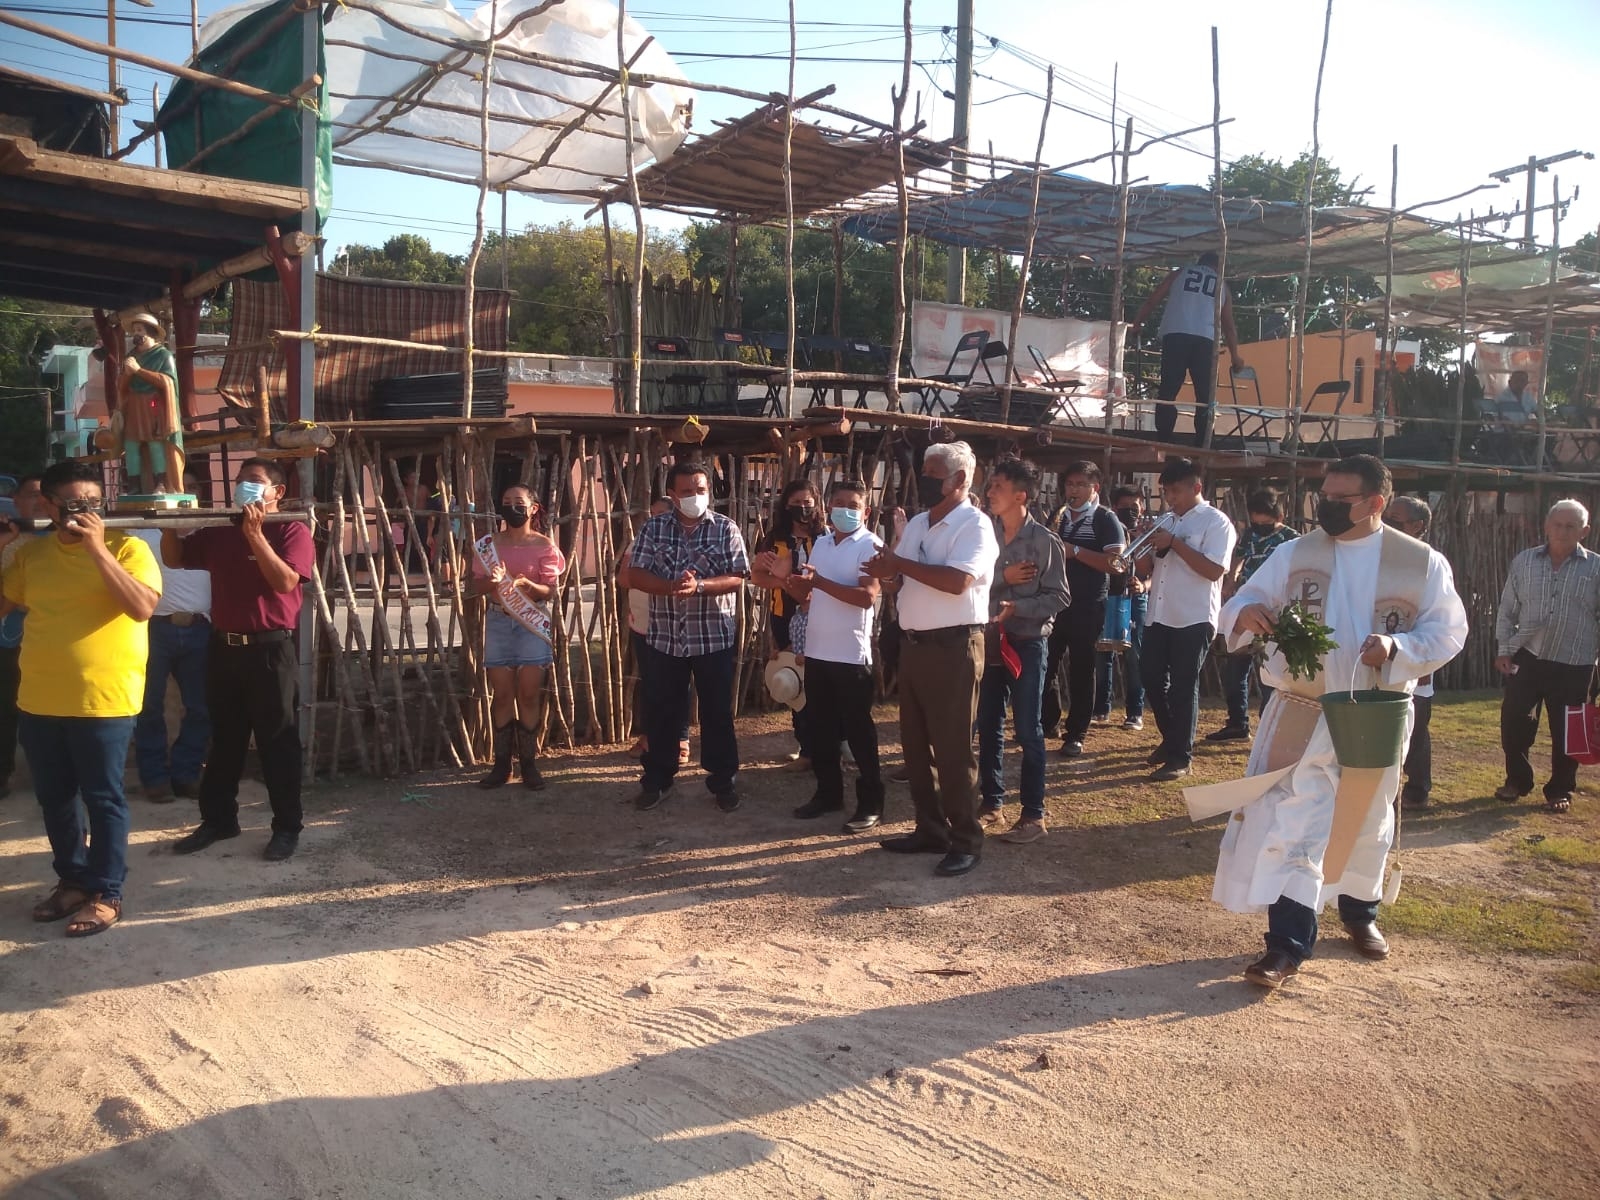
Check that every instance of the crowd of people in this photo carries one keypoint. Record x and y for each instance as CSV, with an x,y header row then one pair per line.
x,y
997,615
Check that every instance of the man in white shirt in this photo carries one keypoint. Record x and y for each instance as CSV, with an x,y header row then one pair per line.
x,y
1189,342
180,632
945,562
838,654
1517,404
1192,555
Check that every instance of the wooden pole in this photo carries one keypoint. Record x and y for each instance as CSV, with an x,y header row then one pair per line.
x,y
897,339
470,291
1389,346
1222,235
788,223
1461,354
1117,384
1549,321
155,112
1303,286
625,92
1027,251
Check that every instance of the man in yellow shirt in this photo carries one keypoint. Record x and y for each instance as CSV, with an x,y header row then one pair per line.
x,y
88,595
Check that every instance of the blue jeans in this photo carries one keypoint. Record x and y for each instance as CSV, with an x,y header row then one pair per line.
x,y
1236,688
1171,663
181,654
1292,927
1132,680
1026,694
73,758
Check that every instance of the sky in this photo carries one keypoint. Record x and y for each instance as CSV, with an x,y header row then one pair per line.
x,y
1464,88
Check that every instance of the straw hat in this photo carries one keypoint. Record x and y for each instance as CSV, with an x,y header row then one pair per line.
x,y
786,681
154,325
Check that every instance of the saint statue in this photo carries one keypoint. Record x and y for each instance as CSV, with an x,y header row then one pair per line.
x,y
147,427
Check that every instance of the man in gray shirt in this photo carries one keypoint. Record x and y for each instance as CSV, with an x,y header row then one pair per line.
x,y
1548,636
1029,589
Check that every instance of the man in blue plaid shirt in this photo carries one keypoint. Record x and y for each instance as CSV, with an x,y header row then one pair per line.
x,y
691,562
1264,534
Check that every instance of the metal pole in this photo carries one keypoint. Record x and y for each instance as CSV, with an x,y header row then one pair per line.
x,y
955,280
1549,319
1527,217
303,361
1222,240
155,112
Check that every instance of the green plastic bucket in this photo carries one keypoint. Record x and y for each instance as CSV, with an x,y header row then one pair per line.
x,y
1368,728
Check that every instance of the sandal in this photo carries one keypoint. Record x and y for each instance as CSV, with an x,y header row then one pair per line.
x,y
62,902
97,916
1558,804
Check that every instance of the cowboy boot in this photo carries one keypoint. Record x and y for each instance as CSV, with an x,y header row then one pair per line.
x,y
528,754
500,774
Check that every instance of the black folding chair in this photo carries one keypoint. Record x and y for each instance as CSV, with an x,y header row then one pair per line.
x,y
1251,423
957,375
749,361
677,386
1327,423
1063,385
848,356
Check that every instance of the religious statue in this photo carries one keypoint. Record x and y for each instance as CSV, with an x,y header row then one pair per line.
x,y
147,427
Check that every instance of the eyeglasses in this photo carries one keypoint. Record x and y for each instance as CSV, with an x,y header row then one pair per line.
x,y
79,506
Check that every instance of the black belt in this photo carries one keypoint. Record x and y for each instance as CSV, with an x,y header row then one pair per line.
x,y
265,637
181,620
945,635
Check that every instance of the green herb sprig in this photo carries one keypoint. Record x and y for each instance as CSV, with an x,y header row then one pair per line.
x,y
1301,638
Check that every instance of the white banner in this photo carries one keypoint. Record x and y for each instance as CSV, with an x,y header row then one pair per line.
x,y
1071,347
1494,362
512,598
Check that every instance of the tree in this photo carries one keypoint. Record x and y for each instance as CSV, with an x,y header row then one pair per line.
x,y
28,329
406,256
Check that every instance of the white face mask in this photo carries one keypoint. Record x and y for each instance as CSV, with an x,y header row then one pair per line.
x,y
694,507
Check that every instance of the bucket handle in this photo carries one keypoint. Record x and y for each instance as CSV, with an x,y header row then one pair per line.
x,y
1353,670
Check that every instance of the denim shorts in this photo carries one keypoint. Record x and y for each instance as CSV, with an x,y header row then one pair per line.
x,y
507,643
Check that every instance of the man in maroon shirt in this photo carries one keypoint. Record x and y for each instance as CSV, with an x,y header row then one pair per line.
x,y
253,670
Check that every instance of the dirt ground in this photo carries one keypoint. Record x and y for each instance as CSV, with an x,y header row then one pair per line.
x,y
453,993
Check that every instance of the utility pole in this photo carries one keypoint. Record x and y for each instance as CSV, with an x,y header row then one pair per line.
x,y
111,63
955,280
1533,165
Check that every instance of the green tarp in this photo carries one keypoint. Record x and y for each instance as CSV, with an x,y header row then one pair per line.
x,y
269,153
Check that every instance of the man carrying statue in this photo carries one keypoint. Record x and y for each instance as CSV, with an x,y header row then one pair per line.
x,y
1305,829
147,427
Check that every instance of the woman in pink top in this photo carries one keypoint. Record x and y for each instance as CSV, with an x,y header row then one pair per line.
x,y
516,656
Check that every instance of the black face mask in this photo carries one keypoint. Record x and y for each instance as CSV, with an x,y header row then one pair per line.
x,y
1261,528
930,491
514,515
1334,516
803,514
1128,516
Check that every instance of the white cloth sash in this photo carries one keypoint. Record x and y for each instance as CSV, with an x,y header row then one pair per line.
x,y
512,598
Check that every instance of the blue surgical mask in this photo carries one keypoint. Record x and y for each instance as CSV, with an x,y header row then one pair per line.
x,y
845,520
248,491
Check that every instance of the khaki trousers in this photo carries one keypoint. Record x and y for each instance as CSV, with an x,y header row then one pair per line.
x,y
939,675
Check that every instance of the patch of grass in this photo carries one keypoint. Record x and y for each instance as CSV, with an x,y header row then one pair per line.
x,y
1583,978
1563,850
1486,921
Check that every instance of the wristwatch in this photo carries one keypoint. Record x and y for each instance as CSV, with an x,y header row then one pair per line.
x,y
699,587
1074,546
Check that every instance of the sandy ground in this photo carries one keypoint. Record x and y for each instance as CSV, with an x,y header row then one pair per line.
x,y
463,994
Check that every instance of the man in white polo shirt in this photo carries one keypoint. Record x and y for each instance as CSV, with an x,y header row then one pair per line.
x,y
945,562
838,654
1192,555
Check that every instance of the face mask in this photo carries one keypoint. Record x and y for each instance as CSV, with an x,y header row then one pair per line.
x,y
1262,528
694,507
514,515
248,491
1128,516
1334,516
846,520
803,513
930,491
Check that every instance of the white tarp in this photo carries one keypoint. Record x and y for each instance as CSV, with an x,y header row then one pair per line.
x,y
1071,347
366,87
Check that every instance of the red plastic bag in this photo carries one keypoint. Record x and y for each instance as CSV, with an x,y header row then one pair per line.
x,y
1583,733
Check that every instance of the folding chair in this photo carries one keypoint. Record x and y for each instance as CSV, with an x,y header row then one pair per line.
x,y
680,382
1062,385
849,356
732,345
1580,420
952,379
1251,423
1327,422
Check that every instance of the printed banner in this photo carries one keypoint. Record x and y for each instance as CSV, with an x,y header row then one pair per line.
x,y
1494,362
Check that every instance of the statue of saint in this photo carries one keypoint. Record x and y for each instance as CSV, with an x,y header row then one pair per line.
x,y
147,427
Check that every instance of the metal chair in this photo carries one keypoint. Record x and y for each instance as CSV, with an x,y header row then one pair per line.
x,y
953,378
682,383
1251,423
758,369
1328,423
1062,385
824,353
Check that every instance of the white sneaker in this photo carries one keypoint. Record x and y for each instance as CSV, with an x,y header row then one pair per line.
x,y
1105,720
1133,723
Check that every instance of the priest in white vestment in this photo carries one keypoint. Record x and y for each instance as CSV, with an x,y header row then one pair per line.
x,y
1392,605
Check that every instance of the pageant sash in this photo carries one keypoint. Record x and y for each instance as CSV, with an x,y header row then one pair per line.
x,y
512,598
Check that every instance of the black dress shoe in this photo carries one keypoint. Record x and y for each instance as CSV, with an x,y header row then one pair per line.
x,y
202,836
1167,773
1271,969
281,846
1368,941
1229,733
956,863
1072,749
1157,757
817,807
728,801
914,843
862,822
